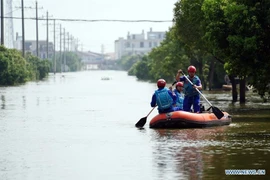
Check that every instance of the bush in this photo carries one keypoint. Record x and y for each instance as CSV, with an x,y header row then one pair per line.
x,y
13,67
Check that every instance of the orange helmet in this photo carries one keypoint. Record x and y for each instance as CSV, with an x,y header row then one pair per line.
x,y
191,69
179,84
161,83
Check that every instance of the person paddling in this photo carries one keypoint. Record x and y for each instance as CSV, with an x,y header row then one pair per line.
x,y
192,97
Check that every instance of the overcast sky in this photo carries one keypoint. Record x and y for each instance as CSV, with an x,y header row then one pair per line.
x,y
92,35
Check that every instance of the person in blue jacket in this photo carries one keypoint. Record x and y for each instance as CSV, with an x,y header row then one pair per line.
x,y
163,98
178,91
192,97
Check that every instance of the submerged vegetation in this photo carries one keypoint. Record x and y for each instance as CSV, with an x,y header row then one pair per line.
x,y
14,69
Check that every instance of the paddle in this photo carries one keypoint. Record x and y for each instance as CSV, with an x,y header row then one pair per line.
x,y
172,85
142,121
218,113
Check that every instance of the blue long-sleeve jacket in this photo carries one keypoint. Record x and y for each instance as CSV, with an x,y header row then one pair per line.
x,y
189,90
154,101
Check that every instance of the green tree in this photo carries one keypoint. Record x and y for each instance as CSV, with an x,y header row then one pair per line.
x,y
141,69
13,67
38,68
189,24
190,27
126,62
239,31
167,58
73,62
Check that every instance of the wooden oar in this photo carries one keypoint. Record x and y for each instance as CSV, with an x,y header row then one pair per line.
x,y
218,113
142,121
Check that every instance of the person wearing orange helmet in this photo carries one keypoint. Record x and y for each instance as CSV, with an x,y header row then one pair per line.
x,y
163,98
192,97
178,91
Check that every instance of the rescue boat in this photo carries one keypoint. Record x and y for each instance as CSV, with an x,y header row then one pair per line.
x,y
183,119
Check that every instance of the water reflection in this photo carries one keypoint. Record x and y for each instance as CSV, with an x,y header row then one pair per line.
x,y
207,153
223,100
180,153
37,101
24,102
3,104
80,127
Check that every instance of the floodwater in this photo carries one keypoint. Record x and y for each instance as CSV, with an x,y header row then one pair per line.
x,y
78,126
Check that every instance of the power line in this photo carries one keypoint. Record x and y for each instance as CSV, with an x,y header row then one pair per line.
x,y
92,20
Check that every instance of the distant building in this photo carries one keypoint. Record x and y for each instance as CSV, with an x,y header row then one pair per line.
x,y
91,60
137,43
31,46
95,61
110,56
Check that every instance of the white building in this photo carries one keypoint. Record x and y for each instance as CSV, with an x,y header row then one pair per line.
x,y
91,60
137,43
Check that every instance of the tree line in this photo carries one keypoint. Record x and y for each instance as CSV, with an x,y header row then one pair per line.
x,y
16,69
218,37
70,63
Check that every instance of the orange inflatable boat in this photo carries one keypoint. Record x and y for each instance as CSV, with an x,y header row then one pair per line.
x,y
183,119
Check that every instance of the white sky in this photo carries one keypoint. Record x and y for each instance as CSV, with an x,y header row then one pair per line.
x,y
93,34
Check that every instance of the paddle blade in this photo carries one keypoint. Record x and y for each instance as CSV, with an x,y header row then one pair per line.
x,y
219,114
141,122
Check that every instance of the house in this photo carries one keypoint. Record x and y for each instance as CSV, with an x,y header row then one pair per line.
x,y
110,56
91,60
31,46
137,43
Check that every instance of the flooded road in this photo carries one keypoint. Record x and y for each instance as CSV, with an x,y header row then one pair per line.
x,y
78,126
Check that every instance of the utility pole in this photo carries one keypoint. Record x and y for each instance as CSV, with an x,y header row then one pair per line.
x,y
47,34
23,40
68,41
37,45
102,51
23,30
64,54
54,46
60,48
72,43
37,27
2,22
77,44
47,40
